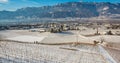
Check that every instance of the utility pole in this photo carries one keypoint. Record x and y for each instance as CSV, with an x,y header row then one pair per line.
x,y
77,31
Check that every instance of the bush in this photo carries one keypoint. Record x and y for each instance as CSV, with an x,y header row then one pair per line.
x,y
109,33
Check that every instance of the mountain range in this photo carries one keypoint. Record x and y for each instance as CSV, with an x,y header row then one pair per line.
x,y
63,10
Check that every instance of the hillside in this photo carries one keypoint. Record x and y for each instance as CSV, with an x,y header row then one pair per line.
x,y
63,10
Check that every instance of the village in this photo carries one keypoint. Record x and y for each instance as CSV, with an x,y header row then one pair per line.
x,y
56,27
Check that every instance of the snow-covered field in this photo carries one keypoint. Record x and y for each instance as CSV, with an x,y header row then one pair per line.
x,y
16,33
69,36
107,38
65,38
11,52
33,53
23,35
27,38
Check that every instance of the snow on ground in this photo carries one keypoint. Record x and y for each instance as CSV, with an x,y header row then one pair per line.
x,y
114,53
106,8
15,33
23,35
8,33
107,38
66,38
27,38
33,53
87,32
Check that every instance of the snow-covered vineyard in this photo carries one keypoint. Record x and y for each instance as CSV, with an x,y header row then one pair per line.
x,y
22,46
114,53
34,53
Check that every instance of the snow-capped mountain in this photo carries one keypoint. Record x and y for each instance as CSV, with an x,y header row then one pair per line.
x,y
63,10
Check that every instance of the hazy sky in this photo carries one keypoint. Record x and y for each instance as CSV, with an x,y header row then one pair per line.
x,y
16,4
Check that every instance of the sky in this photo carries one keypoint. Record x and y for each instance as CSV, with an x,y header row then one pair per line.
x,y
12,5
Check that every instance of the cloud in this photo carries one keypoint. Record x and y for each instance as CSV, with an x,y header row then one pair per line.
x,y
3,1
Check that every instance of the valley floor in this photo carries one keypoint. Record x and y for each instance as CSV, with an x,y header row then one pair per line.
x,y
33,52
